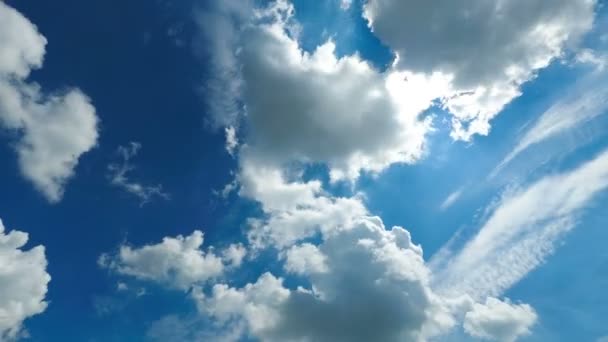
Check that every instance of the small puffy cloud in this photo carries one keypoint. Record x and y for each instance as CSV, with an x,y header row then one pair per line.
x,y
118,176
178,262
231,140
487,49
53,130
23,282
305,259
596,59
345,4
498,320
234,254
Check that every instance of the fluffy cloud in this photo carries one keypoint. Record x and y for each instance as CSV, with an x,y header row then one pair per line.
x,y
316,107
521,231
377,289
488,49
294,210
499,321
305,259
178,262
53,131
118,176
23,282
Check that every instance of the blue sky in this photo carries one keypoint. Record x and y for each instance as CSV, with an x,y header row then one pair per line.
x,y
232,171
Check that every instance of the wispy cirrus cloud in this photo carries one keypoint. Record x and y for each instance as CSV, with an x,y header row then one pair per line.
x,y
118,176
521,231
584,102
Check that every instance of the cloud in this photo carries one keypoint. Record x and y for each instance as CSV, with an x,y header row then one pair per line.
x,y
315,106
234,254
305,259
178,262
499,321
220,24
521,232
52,130
451,199
594,58
376,289
585,101
23,282
294,210
118,176
345,4
232,142
488,49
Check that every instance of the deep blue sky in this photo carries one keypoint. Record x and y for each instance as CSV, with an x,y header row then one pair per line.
x,y
146,86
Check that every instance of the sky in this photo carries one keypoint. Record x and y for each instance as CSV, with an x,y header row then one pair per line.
x,y
292,170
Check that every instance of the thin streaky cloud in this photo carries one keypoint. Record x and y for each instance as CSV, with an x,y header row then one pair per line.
x,y
522,231
588,100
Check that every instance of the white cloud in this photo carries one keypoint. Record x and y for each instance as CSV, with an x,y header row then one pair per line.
x,y
220,24
305,259
316,107
23,282
594,58
53,131
178,262
488,49
499,320
451,199
377,289
585,101
118,176
345,4
231,140
234,254
521,231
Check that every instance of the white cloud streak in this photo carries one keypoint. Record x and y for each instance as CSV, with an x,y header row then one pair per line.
x,y
521,231
584,102
118,176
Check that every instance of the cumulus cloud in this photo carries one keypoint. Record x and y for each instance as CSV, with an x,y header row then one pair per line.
x,y
488,49
316,107
377,289
294,210
119,178
305,259
234,254
52,130
178,262
23,282
521,231
499,320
